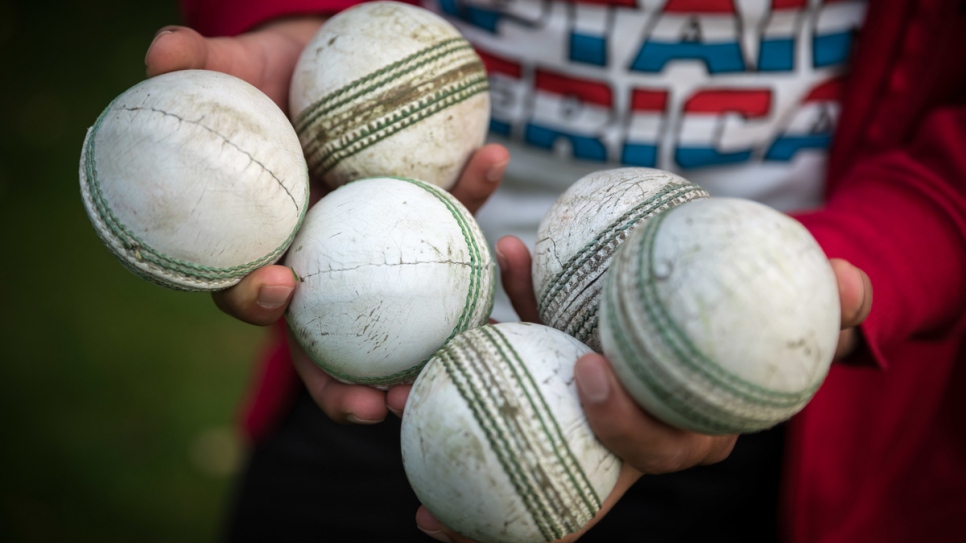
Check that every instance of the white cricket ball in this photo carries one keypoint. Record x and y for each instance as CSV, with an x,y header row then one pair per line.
x,y
386,88
721,316
388,270
494,440
578,235
193,179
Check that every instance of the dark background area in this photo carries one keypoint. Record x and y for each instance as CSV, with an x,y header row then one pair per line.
x,y
118,398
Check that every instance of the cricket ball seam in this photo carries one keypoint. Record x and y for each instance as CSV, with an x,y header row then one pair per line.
x,y
140,256
324,157
684,400
582,320
465,365
473,293
475,253
685,349
376,80
549,423
330,136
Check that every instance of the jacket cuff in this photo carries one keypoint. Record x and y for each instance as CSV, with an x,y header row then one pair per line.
x,y
896,233
232,17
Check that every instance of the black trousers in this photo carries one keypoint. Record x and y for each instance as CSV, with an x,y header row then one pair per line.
x,y
317,481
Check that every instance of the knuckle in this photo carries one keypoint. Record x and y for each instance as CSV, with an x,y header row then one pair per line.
x,y
668,461
720,449
656,456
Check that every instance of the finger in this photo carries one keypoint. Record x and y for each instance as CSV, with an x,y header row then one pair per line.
x,y
642,441
182,48
176,48
261,297
396,398
848,341
481,176
517,277
431,526
855,292
266,58
341,402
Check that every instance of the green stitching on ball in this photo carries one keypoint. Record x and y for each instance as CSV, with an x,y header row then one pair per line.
x,y
465,363
685,353
378,79
457,363
327,154
335,127
474,248
136,249
611,235
581,321
403,376
465,320
690,355
566,457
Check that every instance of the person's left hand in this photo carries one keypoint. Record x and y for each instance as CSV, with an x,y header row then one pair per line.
x,y
638,438
645,444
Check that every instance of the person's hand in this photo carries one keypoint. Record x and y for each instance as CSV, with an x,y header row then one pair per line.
x,y
651,446
855,295
266,58
645,444
263,295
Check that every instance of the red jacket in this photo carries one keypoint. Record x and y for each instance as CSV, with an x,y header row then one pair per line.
x,y
880,452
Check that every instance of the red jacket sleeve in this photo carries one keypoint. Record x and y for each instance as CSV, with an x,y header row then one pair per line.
x,y
901,217
896,197
231,17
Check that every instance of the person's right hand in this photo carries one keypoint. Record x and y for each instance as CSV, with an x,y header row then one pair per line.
x,y
262,296
266,58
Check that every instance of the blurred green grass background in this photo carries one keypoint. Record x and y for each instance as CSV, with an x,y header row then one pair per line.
x,y
117,397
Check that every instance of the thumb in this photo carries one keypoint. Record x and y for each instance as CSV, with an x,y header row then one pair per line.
x,y
481,176
855,292
175,48
517,277
261,297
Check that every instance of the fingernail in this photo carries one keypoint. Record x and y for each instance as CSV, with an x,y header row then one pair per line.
x,y
273,296
356,420
495,173
500,259
592,381
153,41
396,412
157,36
858,285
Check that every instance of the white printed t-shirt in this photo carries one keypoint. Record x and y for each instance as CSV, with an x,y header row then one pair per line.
x,y
738,96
